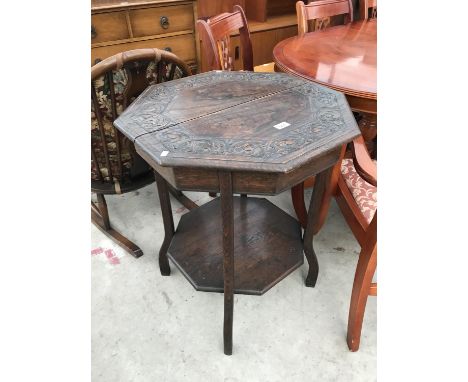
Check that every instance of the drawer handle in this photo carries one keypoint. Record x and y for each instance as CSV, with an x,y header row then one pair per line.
x,y
164,21
93,32
168,49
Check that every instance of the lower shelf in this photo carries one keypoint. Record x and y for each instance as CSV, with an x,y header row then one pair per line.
x,y
267,246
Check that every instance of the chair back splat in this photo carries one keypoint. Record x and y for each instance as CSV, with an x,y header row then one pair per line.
x,y
215,34
321,12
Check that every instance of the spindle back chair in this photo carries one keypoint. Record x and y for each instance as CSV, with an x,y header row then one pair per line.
x,y
116,168
321,12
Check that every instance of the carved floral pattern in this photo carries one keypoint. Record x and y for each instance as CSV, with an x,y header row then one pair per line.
x,y
156,99
306,135
329,118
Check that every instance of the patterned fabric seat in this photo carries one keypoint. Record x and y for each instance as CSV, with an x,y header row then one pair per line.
x,y
103,92
363,193
116,168
104,100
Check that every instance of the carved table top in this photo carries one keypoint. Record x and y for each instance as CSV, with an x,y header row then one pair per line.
x,y
238,121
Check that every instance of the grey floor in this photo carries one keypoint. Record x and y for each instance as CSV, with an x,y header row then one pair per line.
x,y
146,327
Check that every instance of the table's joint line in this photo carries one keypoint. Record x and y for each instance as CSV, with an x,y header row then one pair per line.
x,y
218,111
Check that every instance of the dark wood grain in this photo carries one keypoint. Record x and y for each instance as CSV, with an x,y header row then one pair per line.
x,y
184,200
267,244
184,100
227,219
318,195
229,127
100,218
168,220
242,132
259,183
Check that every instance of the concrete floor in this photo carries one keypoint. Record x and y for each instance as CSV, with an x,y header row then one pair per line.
x,y
146,327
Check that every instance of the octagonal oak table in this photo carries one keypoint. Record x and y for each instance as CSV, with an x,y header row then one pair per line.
x,y
243,133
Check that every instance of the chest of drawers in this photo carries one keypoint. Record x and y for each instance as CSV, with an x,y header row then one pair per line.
x,y
117,26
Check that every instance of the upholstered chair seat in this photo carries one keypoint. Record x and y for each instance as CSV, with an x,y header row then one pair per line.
x,y
364,194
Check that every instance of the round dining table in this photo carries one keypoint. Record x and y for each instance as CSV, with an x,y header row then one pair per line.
x,y
343,58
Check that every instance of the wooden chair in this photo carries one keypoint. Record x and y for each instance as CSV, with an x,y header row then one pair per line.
x,y
368,9
321,11
356,195
116,168
353,183
215,34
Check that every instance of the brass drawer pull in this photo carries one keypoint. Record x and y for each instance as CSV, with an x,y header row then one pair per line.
x,y
164,21
93,32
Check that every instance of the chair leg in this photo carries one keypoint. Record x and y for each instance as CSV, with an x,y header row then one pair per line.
x,y
100,218
361,287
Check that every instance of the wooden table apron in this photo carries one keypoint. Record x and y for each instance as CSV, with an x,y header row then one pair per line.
x,y
238,132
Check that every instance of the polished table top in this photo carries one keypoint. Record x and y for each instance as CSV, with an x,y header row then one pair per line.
x,y
342,58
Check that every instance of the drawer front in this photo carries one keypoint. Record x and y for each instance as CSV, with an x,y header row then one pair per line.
x,y
153,21
181,46
108,27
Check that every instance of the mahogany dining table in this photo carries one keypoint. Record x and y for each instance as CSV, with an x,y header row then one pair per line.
x,y
343,58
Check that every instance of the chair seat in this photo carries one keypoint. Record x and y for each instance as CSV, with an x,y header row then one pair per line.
x,y
364,194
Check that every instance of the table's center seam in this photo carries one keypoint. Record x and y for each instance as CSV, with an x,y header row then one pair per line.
x,y
217,111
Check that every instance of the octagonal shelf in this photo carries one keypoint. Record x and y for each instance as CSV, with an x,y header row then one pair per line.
x,y
267,246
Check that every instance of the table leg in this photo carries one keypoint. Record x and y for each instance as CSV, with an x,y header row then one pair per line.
x,y
168,220
227,214
320,195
